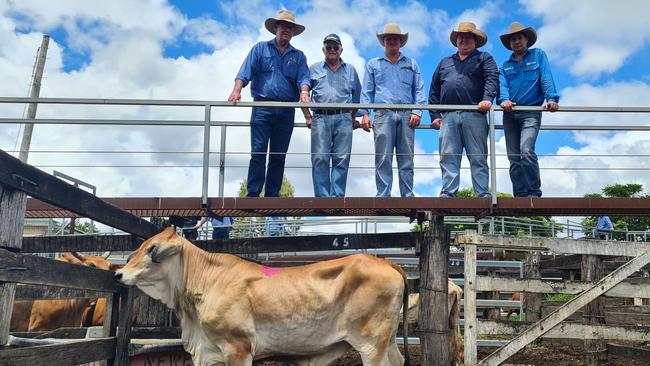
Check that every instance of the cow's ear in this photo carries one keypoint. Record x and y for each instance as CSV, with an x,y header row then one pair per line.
x,y
159,252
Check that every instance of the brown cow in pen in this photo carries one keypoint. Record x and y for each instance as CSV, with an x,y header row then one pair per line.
x,y
234,311
42,315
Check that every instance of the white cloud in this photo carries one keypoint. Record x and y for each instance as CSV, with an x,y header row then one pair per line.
x,y
591,37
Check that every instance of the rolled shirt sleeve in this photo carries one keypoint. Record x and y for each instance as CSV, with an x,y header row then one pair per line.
x,y
368,88
418,89
434,93
490,77
548,85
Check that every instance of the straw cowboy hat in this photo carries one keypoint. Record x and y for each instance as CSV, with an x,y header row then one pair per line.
x,y
515,28
469,27
393,28
284,16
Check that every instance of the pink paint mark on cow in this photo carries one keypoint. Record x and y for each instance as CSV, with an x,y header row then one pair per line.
x,y
270,271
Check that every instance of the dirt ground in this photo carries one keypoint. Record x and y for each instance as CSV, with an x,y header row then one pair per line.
x,y
545,354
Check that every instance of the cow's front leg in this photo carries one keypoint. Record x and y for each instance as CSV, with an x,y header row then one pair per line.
x,y
238,353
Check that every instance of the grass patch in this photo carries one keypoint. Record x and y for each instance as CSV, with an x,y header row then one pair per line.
x,y
559,297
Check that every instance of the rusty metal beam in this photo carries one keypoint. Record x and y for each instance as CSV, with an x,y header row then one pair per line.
x,y
361,206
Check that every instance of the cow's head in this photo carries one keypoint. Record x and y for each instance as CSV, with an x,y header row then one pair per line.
x,y
93,261
155,266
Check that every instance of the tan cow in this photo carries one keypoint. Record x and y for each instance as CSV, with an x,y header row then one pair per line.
x,y
233,311
454,296
42,315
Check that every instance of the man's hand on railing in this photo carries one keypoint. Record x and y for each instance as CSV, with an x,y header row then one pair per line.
x,y
484,106
414,120
366,123
436,123
235,96
552,106
507,105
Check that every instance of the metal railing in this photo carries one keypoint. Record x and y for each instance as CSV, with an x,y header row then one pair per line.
x,y
207,122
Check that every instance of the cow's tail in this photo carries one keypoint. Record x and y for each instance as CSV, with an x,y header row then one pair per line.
x,y
405,312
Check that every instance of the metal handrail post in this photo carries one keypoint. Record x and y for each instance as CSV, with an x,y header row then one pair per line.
x,y
206,157
222,160
493,157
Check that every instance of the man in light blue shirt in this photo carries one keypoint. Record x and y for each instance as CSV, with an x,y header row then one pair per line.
x,y
332,81
525,79
393,79
277,72
604,227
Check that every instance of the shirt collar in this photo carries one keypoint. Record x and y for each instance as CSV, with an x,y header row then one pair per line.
x,y
457,57
272,43
512,55
401,56
325,65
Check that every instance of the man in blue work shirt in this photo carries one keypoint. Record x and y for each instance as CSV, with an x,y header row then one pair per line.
x,y
277,72
471,77
393,79
525,79
604,227
332,81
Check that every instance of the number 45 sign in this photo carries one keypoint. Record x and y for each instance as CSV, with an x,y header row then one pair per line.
x,y
344,242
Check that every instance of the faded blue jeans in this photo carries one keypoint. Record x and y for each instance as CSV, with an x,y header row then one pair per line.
x,y
469,130
271,130
392,132
521,130
331,140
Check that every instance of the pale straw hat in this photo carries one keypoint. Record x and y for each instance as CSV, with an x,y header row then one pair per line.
x,y
284,16
390,29
469,27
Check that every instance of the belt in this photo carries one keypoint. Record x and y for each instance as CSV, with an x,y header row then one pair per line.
x,y
330,111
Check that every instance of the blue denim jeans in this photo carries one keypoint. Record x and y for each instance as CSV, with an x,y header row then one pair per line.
x,y
392,132
521,130
271,130
467,130
331,140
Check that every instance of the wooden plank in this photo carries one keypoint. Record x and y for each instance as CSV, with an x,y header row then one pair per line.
x,y
553,319
73,353
433,324
155,332
533,302
594,312
557,245
81,243
32,292
45,187
36,270
12,212
632,287
469,293
568,330
124,326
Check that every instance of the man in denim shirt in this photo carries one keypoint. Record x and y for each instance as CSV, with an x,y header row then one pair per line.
x,y
471,77
393,79
332,81
525,80
277,72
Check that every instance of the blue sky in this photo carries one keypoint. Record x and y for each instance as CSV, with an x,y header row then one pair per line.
x,y
192,50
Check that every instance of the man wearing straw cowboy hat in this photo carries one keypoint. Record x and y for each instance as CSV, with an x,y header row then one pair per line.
x,y
469,77
277,72
393,79
525,80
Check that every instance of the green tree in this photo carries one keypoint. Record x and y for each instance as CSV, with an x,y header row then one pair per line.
x,y
537,225
286,190
86,227
621,223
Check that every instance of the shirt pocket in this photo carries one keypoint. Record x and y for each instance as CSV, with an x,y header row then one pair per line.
x,y
406,78
290,68
531,71
510,73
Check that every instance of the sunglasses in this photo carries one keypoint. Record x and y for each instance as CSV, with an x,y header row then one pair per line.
x,y
332,47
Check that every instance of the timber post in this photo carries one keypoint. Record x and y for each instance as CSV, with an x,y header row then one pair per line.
x,y
12,220
594,313
532,301
433,325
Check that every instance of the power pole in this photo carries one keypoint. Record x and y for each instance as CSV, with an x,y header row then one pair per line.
x,y
35,92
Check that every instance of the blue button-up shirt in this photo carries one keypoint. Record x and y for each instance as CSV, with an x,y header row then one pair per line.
x,y
388,83
470,81
274,76
329,86
529,81
604,224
